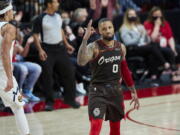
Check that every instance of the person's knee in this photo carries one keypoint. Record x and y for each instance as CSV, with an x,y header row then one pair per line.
x,y
37,69
15,108
33,67
17,105
24,70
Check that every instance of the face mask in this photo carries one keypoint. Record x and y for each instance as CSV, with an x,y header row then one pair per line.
x,y
132,18
108,38
66,21
156,17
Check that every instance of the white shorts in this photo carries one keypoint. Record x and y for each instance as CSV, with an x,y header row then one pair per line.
x,y
12,97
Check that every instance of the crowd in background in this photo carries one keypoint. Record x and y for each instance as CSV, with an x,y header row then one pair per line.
x,y
151,43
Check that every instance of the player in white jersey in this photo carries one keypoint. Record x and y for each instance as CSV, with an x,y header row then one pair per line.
x,y
9,91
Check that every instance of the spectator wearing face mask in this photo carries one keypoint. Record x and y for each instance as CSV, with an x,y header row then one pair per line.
x,y
160,32
65,17
134,36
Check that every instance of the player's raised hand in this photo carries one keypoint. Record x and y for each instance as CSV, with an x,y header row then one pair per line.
x,y
135,100
88,31
9,85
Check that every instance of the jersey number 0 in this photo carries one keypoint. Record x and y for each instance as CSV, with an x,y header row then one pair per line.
x,y
115,68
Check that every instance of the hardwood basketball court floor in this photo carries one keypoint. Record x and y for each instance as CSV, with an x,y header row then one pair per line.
x,y
159,115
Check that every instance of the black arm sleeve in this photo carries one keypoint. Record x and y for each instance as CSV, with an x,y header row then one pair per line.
x,y
37,24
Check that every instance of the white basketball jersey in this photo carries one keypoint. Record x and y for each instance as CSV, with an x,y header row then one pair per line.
x,y
12,97
11,51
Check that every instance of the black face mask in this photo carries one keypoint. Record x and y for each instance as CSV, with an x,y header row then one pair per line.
x,y
132,18
156,17
108,38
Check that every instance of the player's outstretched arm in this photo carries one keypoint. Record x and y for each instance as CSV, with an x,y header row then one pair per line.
x,y
86,52
8,34
128,80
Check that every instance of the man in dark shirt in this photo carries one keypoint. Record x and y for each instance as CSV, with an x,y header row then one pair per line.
x,y
107,59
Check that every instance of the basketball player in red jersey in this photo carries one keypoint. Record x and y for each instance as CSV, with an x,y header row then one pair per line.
x,y
107,59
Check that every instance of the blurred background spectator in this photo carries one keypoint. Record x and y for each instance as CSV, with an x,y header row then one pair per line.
x,y
26,73
76,14
133,34
160,32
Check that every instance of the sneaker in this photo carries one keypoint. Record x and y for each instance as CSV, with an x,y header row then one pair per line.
x,y
154,83
80,88
25,100
86,78
30,96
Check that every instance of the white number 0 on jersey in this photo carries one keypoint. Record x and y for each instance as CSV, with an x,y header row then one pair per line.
x,y
115,68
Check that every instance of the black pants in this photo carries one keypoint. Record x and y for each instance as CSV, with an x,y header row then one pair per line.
x,y
57,62
168,54
151,53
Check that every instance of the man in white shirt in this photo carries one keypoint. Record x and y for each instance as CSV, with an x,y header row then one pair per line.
x,y
53,55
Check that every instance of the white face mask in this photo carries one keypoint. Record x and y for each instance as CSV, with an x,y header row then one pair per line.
x,y
66,21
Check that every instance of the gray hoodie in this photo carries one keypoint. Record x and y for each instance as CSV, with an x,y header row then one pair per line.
x,y
134,36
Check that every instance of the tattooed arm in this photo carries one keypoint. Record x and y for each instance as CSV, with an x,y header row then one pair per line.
x,y
86,52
